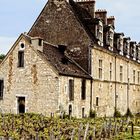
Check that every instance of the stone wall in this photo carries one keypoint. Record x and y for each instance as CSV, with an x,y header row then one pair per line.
x,y
78,103
36,81
59,25
106,89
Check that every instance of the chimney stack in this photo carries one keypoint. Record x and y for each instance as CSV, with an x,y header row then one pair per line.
x,y
37,43
89,5
111,21
101,14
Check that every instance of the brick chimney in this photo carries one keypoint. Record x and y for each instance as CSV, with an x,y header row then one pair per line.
x,y
89,5
101,14
111,21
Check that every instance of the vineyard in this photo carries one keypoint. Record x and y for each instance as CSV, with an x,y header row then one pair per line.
x,y
39,127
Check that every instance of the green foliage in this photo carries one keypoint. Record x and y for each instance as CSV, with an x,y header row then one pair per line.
x,y
28,126
92,113
117,113
2,56
128,113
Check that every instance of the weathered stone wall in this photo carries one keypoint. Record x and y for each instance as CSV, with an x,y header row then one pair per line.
x,y
58,25
126,91
44,90
78,103
36,81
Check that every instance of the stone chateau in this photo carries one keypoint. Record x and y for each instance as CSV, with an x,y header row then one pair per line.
x,y
72,60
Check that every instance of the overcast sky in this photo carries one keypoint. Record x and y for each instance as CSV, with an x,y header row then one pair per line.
x,y
17,16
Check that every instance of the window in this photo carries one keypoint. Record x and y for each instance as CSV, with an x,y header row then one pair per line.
x,y
21,104
110,71
83,112
100,69
121,73
70,110
1,88
21,59
97,101
120,44
109,39
138,77
133,50
83,89
134,77
71,90
138,53
40,42
99,32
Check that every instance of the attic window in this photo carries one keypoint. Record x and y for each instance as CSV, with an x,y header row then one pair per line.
x,y
109,39
22,45
138,53
99,32
133,50
21,59
120,44
126,47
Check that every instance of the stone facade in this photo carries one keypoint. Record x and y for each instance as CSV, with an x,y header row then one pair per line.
x,y
74,62
40,84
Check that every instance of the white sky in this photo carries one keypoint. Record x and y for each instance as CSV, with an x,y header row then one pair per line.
x,y
17,16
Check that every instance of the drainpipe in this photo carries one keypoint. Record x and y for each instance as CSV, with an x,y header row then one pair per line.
x,y
115,87
91,81
128,84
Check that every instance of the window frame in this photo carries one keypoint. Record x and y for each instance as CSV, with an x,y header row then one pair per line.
x,y
99,31
71,89
134,76
83,89
1,88
97,101
100,69
20,59
109,39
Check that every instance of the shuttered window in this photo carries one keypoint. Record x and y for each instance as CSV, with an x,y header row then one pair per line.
x,y
71,90
83,89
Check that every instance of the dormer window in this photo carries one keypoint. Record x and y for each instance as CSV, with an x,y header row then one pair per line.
x,y
138,53
126,47
133,50
120,44
109,39
99,33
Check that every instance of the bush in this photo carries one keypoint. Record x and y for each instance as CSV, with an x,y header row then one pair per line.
x,y
128,113
117,113
92,113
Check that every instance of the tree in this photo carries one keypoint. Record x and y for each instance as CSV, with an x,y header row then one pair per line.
x,y
2,56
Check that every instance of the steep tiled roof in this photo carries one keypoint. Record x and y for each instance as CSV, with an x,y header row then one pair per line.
x,y
65,66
